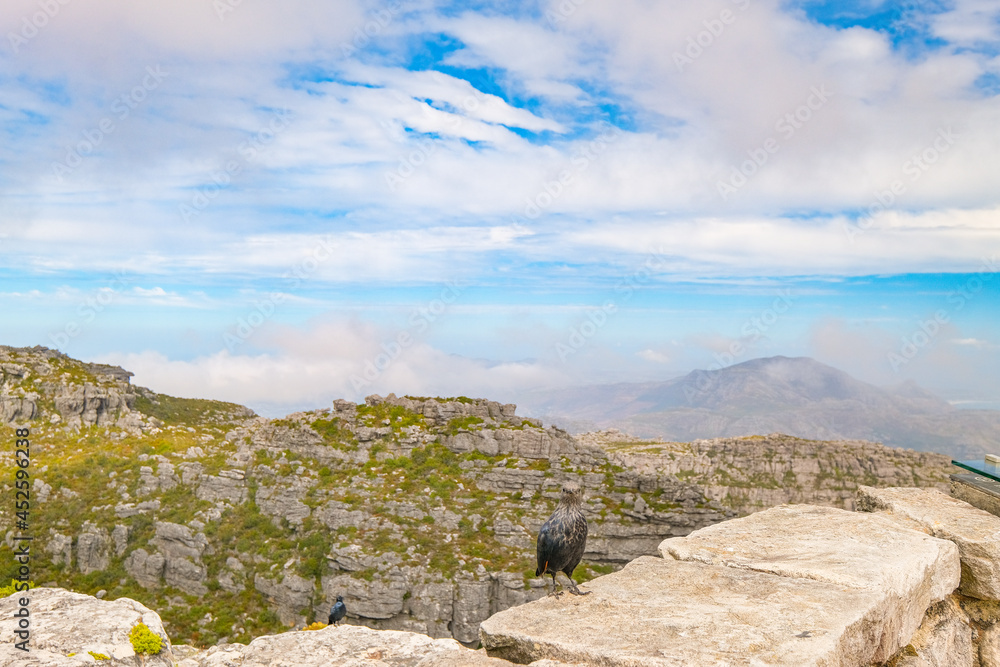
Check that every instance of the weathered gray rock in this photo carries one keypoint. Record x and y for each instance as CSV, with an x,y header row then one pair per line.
x,y
512,533
231,579
226,487
530,443
92,549
944,639
147,481
120,537
440,411
755,472
976,533
509,591
147,569
405,510
40,491
276,438
108,372
620,542
335,514
177,541
90,405
186,575
352,558
381,598
433,605
290,597
17,409
230,582
344,646
660,612
61,548
125,510
444,518
502,480
190,472
63,622
177,560
345,408
133,423
165,478
472,605
284,501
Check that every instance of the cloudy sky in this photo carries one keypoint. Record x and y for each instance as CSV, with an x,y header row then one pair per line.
x,y
283,203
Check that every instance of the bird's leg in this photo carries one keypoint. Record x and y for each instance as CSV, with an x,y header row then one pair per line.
x,y
572,588
552,591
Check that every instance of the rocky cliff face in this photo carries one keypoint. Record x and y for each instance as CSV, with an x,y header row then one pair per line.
x,y
911,580
39,383
755,472
421,512
436,503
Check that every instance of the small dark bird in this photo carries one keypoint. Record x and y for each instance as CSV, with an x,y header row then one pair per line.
x,y
562,539
338,611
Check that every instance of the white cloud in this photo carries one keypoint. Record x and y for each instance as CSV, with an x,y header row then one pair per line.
x,y
888,242
969,23
88,32
540,60
974,342
333,359
346,146
654,356
459,95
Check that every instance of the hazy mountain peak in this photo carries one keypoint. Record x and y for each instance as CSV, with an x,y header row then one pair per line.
x,y
796,395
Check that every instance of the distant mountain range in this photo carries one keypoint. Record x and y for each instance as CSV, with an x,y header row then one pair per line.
x,y
798,396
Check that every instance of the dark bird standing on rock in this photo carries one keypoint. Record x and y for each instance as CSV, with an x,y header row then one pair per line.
x,y
563,538
338,611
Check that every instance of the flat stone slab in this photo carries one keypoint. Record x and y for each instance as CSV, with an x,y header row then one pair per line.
x,y
903,569
828,544
343,646
63,622
661,612
975,532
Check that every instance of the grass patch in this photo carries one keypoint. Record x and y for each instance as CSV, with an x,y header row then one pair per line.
x,y
397,416
175,411
334,433
462,424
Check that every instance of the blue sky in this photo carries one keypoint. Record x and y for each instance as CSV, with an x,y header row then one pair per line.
x,y
283,204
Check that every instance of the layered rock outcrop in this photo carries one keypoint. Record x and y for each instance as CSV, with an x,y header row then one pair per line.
x,y
420,512
175,562
39,383
67,628
91,405
903,583
795,585
751,473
